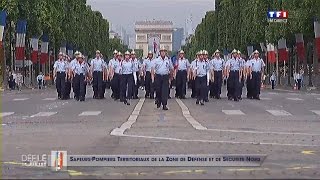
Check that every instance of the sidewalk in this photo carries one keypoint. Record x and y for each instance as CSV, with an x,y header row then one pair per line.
x,y
290,88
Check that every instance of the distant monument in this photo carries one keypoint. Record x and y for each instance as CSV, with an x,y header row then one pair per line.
x,y
153,35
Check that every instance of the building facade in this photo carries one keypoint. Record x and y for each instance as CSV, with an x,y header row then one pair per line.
x,y
153,35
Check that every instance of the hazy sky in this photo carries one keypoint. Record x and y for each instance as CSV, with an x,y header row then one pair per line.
x,y
125,12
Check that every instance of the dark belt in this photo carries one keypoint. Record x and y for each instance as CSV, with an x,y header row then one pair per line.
x,y
182,70
218,71
162,74
97,71
60,71
256,71
234,71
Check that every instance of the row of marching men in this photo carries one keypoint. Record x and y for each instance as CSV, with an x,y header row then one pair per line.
x,y
206,75
77,73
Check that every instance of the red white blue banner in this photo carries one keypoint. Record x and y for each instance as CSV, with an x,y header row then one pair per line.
x,y
44,49
21,40
34,45
3,16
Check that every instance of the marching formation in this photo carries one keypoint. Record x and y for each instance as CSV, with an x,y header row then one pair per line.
x,y
125,73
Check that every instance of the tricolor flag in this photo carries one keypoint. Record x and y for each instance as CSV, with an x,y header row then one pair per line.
x,y
35,49
300,47
250,50
3,16
317,37
69,50
44,49
271,54
155,46
63,48
21,39
282,50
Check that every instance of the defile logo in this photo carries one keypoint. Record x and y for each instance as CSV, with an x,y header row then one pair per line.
x,y
278,14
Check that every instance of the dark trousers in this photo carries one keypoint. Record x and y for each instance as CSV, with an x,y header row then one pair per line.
x,y
68,89
136,86
97,84
241,84
215,89
299,84
104,86
256,83
201,88
272,84
74,88
249,87
193,89
148,85
39,84
61,83
162,89
80,86
233,85
115,85
181,82
127,82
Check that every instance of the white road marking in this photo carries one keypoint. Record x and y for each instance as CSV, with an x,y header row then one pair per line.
x,y
49,99
263,132
295,99
44,114
90,113
20,99
131,120
3,114
185,111
279,112
233,112
262,98
316,112
273,93
212,141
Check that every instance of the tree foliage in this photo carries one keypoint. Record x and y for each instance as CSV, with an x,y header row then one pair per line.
x,y
66,21
237,24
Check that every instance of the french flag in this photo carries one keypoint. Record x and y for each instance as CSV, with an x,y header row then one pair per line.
x,y
44,49
271,54
21,40
317,37
282,50
3,16
63,48
69,50
35,49
300,47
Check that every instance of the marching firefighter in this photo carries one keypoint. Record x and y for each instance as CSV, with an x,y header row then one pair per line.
x,y
242,63
110,66
161,74
115,76
207,60
200,71
128,75
182,70
105,77
97,69
233,68
137,74
191,77
249,76
60,74
71,75
149,86
256,69
217,67
69,79
81,73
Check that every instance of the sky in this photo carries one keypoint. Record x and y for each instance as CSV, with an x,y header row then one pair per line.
x,y
125,12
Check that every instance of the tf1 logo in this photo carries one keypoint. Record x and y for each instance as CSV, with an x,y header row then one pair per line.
x,y
277,14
